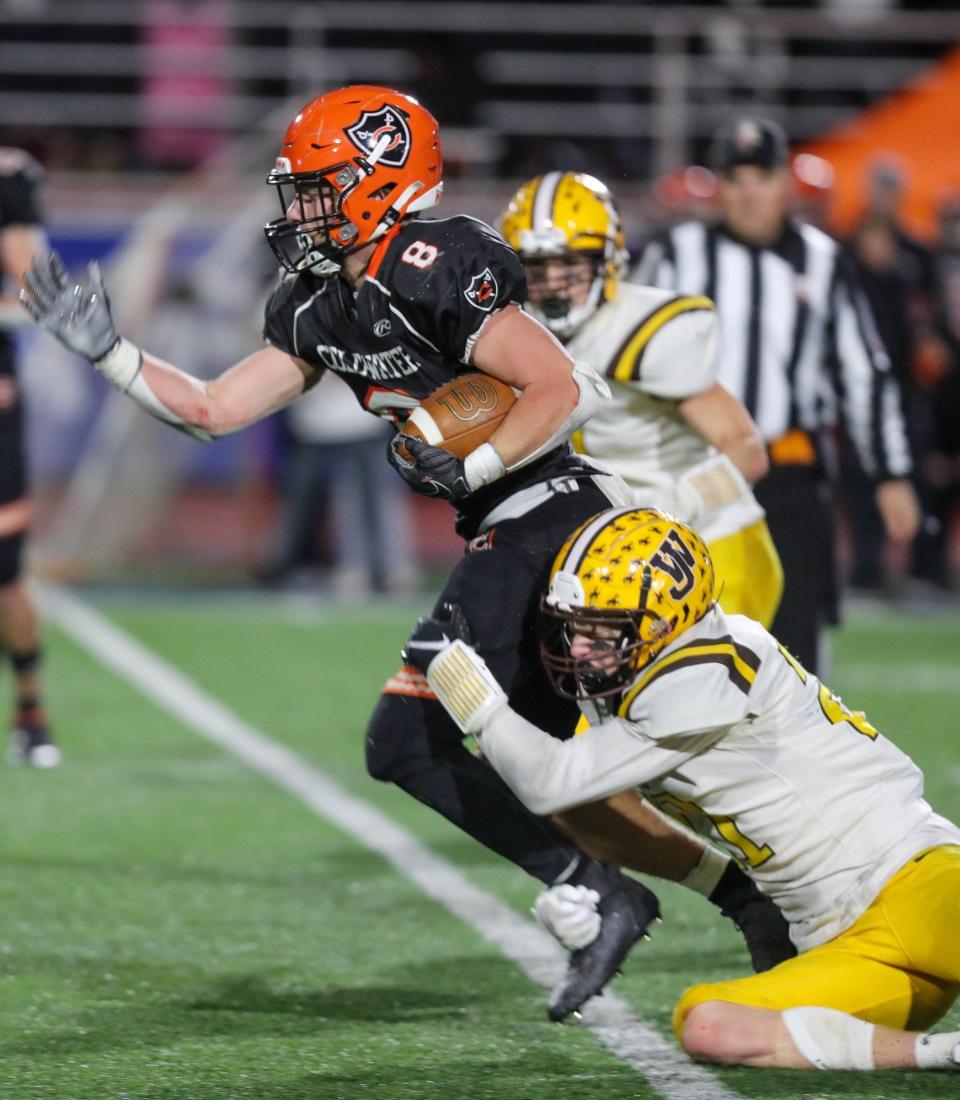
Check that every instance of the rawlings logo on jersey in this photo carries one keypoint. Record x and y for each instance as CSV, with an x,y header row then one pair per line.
x,y
482,291
372,126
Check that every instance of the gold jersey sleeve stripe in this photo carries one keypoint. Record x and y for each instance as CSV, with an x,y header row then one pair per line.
x,y
626,362
740,662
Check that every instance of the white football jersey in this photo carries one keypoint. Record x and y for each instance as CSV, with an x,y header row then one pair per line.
x,y
656,348
725,731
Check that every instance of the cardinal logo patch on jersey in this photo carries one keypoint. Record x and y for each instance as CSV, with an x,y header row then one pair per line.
x,y
482,291
372,126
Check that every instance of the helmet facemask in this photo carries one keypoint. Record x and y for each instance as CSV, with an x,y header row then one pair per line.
x,y
319,234
550,292
611,648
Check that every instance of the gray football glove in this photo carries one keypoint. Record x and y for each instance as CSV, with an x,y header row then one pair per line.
x,y
429,470
434,632
78,314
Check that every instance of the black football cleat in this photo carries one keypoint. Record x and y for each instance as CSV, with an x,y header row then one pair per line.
x,y
765,932
627,910
762,925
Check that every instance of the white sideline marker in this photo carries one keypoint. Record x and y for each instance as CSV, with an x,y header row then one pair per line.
x,y
664,1066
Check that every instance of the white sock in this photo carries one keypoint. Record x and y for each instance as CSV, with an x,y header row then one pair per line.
x,y
707,873
938,1051
830,1039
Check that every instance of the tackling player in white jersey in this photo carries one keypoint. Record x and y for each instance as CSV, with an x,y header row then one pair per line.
x,y
712,719
680,439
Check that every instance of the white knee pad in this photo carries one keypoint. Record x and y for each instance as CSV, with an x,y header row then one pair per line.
x,y
830,1039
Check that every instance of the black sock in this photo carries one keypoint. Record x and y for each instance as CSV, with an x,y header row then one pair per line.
x,y
733,890
26,664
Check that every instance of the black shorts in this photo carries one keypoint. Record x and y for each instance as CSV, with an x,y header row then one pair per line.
x,y
13,485
799,507
499,583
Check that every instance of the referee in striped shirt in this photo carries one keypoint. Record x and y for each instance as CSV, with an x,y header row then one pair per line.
x,y
799,348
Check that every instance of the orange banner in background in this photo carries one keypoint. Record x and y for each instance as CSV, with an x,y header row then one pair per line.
x,y
918,127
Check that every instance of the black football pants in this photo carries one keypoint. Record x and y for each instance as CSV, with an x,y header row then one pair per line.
x,y
412,742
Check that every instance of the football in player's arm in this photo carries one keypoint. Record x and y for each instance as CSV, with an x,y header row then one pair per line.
x,y
718,724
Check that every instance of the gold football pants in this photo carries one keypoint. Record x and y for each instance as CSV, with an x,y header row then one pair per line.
x,y
898,965
749,574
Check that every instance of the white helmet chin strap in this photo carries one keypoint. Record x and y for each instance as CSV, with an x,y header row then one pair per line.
x,y
321,266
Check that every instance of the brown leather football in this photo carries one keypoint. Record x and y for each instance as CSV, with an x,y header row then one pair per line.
x,y
462,414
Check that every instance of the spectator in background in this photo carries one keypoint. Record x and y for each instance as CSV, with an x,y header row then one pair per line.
x,y
899,280
813,180
942,471
337,460
21,237
796,351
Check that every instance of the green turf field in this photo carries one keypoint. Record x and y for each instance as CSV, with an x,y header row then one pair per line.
x,y
176,927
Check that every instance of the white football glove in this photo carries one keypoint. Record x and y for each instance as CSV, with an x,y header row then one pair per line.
x,y
569,913
710,485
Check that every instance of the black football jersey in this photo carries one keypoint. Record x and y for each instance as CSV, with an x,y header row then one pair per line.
x,y
19,183
411,327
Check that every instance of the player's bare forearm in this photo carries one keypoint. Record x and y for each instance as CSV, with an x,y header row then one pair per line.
x,y
749,455
247,392
539,411
516,349
722,421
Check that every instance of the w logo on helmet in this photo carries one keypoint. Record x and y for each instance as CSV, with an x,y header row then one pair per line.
x,y
374,127
676,559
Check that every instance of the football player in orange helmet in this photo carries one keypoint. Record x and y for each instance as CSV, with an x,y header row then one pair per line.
x,y
398,306
353,163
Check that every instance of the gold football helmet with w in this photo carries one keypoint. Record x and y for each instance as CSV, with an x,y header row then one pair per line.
x,y
625,584
566,228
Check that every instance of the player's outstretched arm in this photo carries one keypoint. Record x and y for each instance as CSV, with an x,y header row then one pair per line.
x,y
78,314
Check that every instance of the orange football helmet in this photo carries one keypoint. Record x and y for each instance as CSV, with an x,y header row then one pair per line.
x,y
354,162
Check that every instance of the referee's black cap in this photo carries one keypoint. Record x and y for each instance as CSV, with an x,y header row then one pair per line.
x,y
757,141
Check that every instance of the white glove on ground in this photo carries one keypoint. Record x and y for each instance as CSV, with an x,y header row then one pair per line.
x,y
569,913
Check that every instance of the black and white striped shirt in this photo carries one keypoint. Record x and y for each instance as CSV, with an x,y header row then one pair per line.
x,y
798,341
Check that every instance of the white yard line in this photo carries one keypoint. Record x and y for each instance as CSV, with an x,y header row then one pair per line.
x,y
663,1065
901,679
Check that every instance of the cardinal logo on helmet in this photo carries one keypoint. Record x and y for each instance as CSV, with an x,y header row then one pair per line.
x,y
374,126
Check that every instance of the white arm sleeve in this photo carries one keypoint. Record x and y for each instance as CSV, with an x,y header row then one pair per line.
x,y
594,391
122,366
549,775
